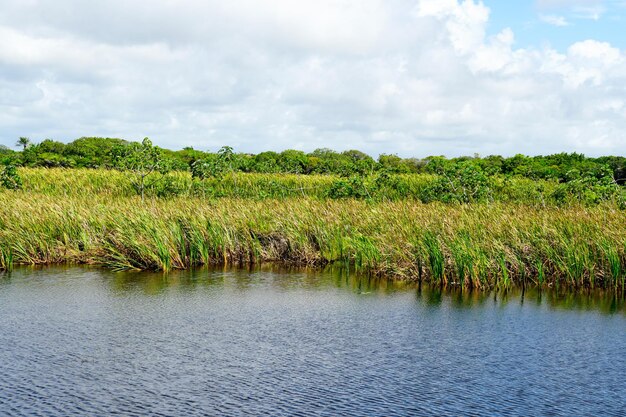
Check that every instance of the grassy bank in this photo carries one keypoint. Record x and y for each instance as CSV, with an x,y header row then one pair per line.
x,y
84,218
80,182
378,187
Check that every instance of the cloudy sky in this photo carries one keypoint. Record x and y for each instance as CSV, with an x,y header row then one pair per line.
x,y
412,77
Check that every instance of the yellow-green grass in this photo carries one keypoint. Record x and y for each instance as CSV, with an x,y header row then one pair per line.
x,y
80,182
70,182
70,217
73,182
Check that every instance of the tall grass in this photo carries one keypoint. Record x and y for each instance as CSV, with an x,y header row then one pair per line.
x,y
79,217
6,259
61,182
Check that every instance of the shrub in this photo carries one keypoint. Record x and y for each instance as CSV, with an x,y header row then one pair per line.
x,y
590,188
10,179
462,182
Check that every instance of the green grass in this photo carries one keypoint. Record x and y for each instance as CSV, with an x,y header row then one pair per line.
x,y
94,217
61,182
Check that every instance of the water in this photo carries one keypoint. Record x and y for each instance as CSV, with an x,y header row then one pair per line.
x,y
91,342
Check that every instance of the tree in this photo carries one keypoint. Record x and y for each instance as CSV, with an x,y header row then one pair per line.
x,y
215,165
328,161
142,159
23,141
226,158
266,162
360,163
7,156
393,163
292,161
93,152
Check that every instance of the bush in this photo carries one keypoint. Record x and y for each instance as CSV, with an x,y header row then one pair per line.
x,y
590,188
353,187
10,179
462,182
170,186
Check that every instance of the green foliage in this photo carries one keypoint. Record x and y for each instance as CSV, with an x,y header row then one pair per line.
x,y
359,163
144,161
170,186
353,187
81,153
267,162
462,182
393,163
617,164
215,165
10,179
565,178
93,216
589,188
7,156
48,153
292,161
551,167
24,142
90,152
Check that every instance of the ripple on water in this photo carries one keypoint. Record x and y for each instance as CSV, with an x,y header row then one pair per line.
x,y
84,342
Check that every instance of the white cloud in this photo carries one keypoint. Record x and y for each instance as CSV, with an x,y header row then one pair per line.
x,y
554,20
589,12
378,75
556,4
575,9
465,22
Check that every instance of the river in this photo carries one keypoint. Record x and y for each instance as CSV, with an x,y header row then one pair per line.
x,y
80,341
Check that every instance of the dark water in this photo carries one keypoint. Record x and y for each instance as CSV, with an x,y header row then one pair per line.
x,y
91,342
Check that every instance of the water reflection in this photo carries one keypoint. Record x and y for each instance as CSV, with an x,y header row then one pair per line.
x,y
276,278
285,279
608,302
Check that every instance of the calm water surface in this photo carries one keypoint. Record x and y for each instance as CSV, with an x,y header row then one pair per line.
x,y
91,342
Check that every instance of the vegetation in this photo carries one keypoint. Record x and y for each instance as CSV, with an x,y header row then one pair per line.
x,y
141,160
10,179
23,142
475,245
473,222
101,153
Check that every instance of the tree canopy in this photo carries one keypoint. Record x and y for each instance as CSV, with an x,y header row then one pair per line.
x,y
94,152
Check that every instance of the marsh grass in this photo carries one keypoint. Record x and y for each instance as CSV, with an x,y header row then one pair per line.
x,y
6,259
63,182
63,218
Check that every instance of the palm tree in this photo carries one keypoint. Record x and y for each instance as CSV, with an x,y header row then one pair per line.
x,y
23,141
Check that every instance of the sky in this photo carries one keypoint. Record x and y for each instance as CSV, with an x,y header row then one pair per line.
x,y
410,77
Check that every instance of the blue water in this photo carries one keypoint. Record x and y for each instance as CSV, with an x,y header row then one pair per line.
x,y
90,342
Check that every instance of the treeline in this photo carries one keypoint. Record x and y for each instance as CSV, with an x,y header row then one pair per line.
x,y
555,179
91,152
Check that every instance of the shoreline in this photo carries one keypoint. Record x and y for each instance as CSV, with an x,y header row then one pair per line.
x,y
97,217
476,246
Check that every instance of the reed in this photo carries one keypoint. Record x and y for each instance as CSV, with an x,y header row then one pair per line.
x,y
6,259
477,245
